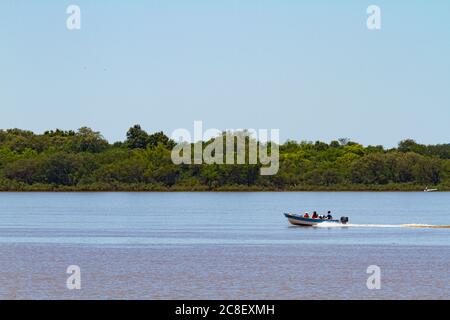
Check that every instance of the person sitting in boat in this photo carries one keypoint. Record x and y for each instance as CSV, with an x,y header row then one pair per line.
x,y
306,215
329,216
315,216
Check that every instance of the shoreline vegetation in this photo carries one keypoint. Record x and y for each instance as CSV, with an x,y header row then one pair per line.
x,y
237,188
82,160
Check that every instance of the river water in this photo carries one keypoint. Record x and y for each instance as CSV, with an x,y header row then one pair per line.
x,y
223,245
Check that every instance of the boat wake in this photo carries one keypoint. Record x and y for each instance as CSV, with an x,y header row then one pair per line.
x,y
425,226
353,225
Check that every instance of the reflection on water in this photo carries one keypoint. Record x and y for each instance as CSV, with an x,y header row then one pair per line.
x,y
223,245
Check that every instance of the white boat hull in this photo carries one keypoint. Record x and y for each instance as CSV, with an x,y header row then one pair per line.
x,y
302,223
299,220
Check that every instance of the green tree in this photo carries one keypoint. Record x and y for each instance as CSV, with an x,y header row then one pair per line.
x,y
28,171
137,138
87,140
160,138
61,168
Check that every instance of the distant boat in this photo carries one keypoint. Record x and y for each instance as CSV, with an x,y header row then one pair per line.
x,y
430,190
300,220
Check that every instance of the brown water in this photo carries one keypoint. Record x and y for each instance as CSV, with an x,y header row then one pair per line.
x,y
222,272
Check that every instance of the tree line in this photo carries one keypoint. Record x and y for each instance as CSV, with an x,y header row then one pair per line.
x,y
84,160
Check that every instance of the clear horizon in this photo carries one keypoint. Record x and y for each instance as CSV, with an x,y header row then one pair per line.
x,y
314,71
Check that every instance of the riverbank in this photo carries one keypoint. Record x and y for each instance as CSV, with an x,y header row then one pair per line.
x,y
202,188
85,161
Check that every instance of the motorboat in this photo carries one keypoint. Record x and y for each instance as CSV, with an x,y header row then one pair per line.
x,y
306,221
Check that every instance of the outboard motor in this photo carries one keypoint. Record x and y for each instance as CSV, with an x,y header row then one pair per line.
x,y
344,220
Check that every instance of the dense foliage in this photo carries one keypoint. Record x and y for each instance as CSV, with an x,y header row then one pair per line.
x,y
84,160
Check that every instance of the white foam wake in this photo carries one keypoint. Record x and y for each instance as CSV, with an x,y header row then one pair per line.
x,y
415,225
354,225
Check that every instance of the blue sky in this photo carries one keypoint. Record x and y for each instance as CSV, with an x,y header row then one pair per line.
x,y
313,69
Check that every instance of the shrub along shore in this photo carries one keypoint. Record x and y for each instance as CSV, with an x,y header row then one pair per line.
x,y
83,160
